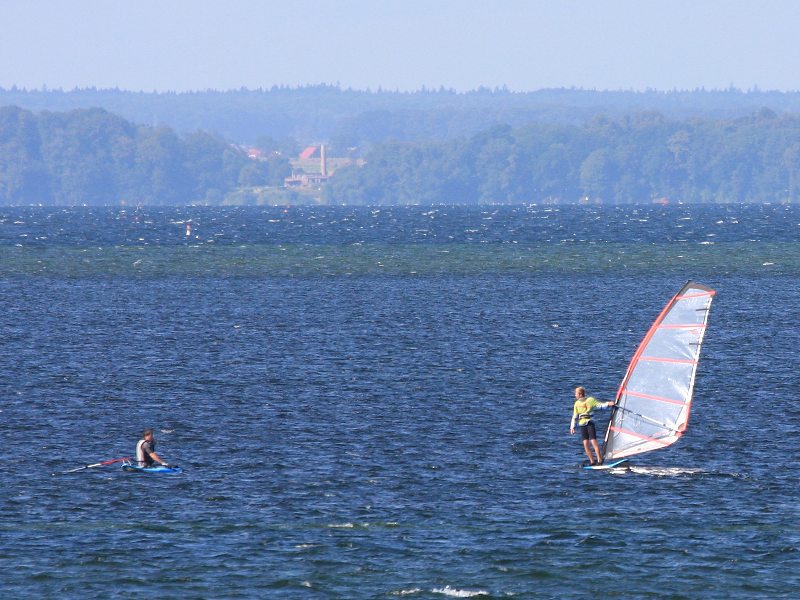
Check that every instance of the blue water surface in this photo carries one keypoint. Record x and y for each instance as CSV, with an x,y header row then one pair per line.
x,y
375,403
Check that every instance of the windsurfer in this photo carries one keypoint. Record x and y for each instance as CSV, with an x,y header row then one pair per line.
x,y
582,412
146,450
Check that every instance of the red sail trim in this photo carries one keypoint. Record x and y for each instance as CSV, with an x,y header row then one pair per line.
x,y
697,295
680,361
650,333
639,436
656,398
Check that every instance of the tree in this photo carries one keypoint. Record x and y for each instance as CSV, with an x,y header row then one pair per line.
x,y
791,160
596,174
23,176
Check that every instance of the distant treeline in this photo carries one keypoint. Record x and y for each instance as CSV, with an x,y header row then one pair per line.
x,y
90,156
359,119
639,158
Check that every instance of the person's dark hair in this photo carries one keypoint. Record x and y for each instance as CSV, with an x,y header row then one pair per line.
x,y
147,432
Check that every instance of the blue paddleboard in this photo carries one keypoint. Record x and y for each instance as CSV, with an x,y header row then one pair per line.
x,y
156,469
606,465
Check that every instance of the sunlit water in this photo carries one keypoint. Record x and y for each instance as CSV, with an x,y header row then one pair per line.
x,y
376,402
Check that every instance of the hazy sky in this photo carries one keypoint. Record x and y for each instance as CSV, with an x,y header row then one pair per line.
x,y
401,44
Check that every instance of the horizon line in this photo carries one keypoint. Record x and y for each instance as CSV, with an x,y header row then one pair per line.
x,y
500,90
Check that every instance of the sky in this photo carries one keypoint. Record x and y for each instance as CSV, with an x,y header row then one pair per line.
x,y
523,45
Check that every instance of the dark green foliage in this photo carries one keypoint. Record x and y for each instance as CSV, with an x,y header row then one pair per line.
x,y
90,156
639,158
95,158
23,173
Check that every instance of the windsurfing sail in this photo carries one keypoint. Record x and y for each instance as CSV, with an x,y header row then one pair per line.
x,y
654,399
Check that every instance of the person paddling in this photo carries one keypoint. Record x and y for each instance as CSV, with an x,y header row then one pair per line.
x,y
146,450
582,411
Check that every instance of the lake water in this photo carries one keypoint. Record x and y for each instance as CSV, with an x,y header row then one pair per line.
x,y
375,403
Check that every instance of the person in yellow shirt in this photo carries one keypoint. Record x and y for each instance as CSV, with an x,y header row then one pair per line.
x,y
582,412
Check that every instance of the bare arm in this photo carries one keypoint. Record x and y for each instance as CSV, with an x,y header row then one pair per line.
x,y
157,458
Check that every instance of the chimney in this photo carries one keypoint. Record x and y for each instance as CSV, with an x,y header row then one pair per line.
x,y
323,166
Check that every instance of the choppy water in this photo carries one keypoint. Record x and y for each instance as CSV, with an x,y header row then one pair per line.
x,y
375,403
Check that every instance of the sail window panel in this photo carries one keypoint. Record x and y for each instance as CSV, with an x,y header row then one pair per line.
x,y
655,414
653,409
671,343
624,445
692,308
663,379
639,434
686,313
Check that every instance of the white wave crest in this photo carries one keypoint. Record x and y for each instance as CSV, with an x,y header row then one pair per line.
x,y
665,471
448,591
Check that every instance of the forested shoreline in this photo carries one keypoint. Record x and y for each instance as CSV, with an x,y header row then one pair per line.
x,y
92,157
430,147
640,158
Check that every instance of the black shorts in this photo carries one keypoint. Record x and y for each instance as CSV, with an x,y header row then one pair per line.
x,y
588,431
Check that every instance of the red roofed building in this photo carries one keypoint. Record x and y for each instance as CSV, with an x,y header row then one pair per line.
x,y
309,152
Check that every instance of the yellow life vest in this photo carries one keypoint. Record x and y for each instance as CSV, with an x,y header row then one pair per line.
x,y
583,409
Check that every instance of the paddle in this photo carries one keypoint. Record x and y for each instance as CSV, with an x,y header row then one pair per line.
x,y
100,464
